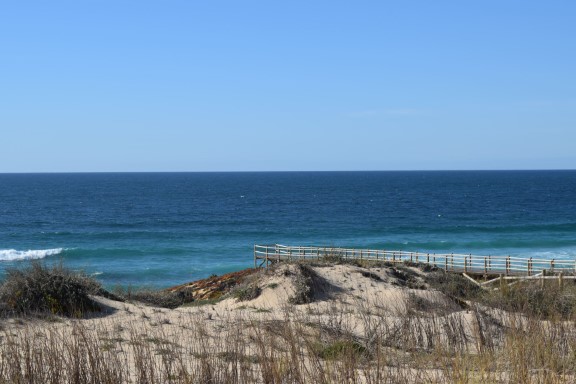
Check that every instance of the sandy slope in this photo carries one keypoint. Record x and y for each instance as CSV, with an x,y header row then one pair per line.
x,y
344,302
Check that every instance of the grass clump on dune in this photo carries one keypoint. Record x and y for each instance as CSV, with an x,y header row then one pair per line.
x,y
42,290
150,296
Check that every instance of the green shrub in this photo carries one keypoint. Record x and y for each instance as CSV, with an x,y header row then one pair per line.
x,y
40,290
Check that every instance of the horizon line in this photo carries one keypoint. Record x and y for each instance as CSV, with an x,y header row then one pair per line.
x,y
291,171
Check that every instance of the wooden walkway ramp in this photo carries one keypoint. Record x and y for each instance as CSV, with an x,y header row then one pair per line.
x,y
459,263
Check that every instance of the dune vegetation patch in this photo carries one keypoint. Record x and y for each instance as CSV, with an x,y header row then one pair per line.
x,y
38,289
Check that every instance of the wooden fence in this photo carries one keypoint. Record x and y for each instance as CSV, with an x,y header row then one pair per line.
x,y
450,262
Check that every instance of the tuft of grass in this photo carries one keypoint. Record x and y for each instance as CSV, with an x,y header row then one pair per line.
x,y
453,285
548,302
157,298
246,293
303,282
342,349
42,290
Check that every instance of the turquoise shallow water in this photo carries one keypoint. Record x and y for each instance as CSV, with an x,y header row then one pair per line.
x,y
162,229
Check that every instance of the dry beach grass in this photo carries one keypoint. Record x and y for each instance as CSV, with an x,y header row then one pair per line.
x,y
294,323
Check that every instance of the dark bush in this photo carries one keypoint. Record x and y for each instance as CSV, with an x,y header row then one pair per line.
x,y
41,290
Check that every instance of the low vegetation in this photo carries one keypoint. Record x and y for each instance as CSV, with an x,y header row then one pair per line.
x,y
246,292
149,296
40,290
517,334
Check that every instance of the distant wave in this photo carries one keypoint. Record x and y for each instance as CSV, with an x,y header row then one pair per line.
x,y
32,254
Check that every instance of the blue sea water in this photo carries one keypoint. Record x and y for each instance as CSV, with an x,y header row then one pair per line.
x,y
162,229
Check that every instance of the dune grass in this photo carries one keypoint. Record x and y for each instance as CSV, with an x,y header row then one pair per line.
x,y
516,335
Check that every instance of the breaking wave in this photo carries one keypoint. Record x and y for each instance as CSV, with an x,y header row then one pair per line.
x,y
31,254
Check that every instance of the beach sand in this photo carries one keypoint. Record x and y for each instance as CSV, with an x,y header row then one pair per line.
x,y
328,323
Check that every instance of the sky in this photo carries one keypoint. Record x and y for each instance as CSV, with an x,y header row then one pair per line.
x,y
135,86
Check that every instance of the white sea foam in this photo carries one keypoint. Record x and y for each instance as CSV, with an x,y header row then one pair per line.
x,y
31,254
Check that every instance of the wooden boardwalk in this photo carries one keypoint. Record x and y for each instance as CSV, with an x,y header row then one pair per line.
x,y
508,266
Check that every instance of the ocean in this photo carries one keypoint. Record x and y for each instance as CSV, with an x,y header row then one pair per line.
x,y
164,229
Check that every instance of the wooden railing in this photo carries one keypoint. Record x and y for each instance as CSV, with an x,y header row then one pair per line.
x,y
450,262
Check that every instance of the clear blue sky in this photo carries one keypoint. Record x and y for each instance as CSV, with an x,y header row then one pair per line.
x,y
294,85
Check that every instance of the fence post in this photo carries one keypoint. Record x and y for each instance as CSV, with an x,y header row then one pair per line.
x,y
485,265
552,265
507,265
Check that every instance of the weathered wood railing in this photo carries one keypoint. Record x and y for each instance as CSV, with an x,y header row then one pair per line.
x,y
451,262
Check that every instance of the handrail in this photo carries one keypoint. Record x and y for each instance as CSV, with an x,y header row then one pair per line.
x,y
506,265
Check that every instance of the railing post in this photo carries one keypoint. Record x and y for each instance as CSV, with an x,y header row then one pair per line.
x,y
485,265
465,264
254,256
530,267
552,265
428,259
507,265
